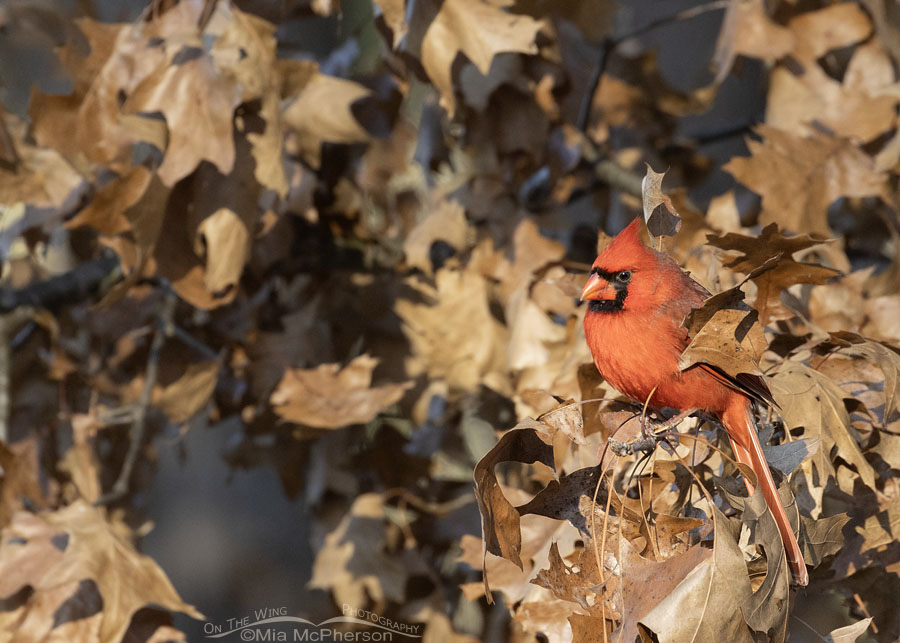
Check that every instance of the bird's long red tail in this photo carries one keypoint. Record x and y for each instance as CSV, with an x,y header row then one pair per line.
x,y
748,451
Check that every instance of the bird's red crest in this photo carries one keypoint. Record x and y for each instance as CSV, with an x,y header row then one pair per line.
x,y
625,249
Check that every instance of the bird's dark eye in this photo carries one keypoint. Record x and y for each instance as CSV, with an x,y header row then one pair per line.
x,y
623,276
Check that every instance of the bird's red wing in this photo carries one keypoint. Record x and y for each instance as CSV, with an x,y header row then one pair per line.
x,y
753,386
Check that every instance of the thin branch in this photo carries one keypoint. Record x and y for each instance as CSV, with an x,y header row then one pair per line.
x,y
685,14
189,340
139,428
607,170
619,177
587,101
647,443
428,506
611,44
70,287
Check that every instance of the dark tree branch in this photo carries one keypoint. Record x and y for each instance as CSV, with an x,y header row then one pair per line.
x,y
139,428
608,170
67,288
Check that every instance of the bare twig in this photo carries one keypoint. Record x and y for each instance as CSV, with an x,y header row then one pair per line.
x,y
428,506
139,428
69,287
618,177
649,439
611,44
192,342
606,169
587,102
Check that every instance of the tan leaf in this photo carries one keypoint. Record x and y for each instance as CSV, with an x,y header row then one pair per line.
x,y
479,30
888,360
646,583
89,123
883,318
440,330
226,242
731,339
42,178
246,50
810,400
106,211
295,75
446,222
185,397
557,291
226,207
773,249
353,562
849,633
661,221
723,214
589,629
548,616
566,418
499,519
822,537
691,612
504,575
85,123
531,251
329,396
826,167
565,582
393,12
838,305
314,125
532,331
20,481
758,36
200,129
880,530
862,106
78,545
669,530
833,27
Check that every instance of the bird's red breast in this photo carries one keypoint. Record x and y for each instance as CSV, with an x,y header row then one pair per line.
x,y
637,300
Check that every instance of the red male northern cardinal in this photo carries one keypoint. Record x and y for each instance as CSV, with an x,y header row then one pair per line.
x,y
638,298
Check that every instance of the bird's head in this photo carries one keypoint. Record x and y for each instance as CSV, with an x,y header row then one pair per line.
x,y
627,274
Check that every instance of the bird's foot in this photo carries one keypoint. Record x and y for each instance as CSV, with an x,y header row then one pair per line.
x,y
638,445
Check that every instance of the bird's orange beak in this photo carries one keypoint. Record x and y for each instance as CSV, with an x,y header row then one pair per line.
x,y
598,288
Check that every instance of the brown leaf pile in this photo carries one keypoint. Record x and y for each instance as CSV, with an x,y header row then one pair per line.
x,y
367,250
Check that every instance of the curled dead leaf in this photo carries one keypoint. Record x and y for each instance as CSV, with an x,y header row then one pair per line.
x,y
499,519
226,244
660,215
